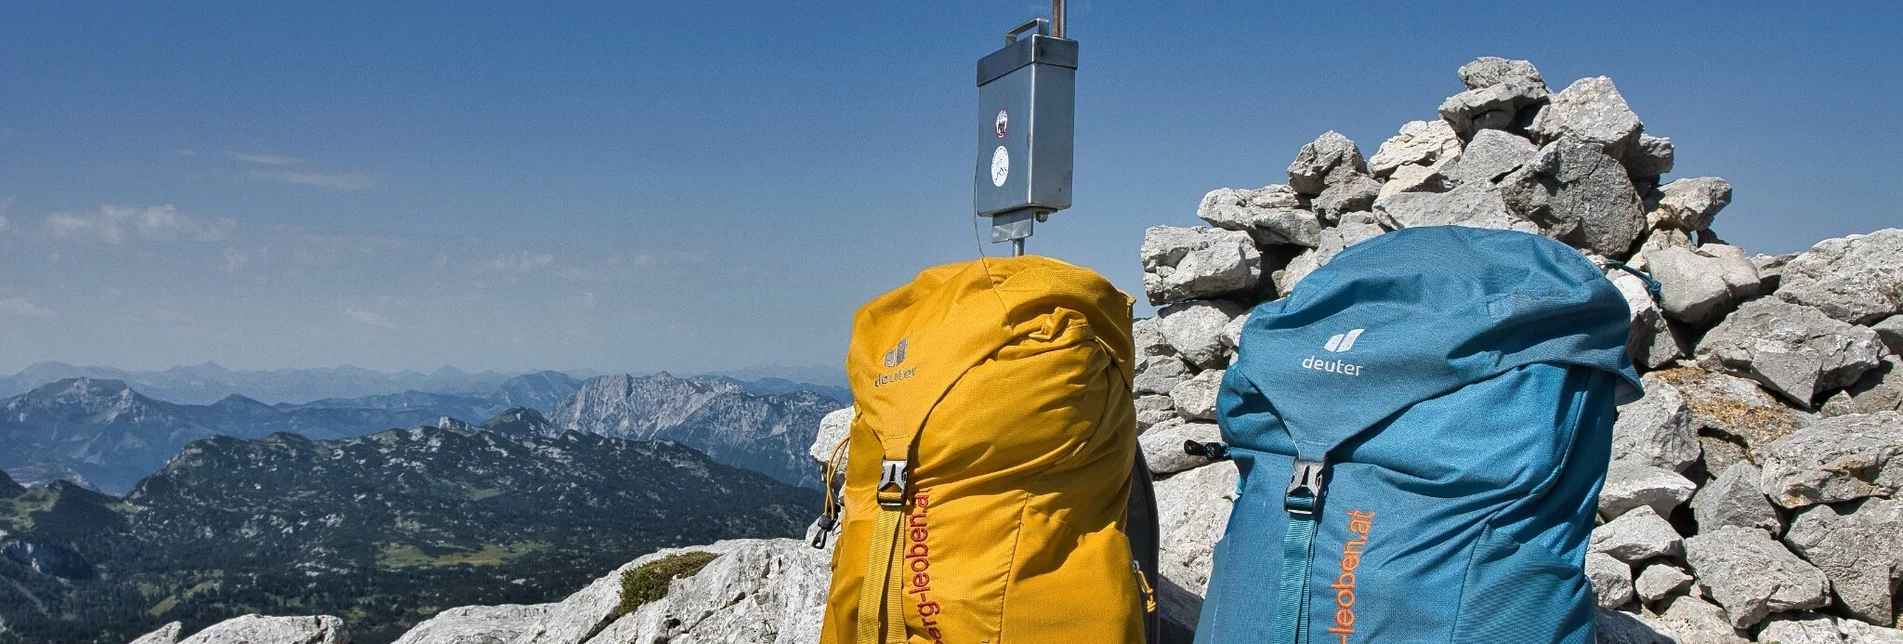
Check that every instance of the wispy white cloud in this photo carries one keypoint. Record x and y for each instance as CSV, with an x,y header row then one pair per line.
x,y
185,152
119,224
236,259
518,265
369,318
331,180
265,159
18,307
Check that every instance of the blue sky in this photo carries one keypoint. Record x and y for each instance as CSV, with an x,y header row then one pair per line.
x,y
703,186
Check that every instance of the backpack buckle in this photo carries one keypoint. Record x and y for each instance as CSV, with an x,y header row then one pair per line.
x,y
893,477
1305,487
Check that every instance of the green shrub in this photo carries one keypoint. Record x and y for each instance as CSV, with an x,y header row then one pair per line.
x,y
649,582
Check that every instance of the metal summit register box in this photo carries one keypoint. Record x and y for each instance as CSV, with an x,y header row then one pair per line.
x,y
1026,114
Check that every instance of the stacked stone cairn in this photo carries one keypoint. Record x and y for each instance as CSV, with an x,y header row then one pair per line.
x,y
1754,490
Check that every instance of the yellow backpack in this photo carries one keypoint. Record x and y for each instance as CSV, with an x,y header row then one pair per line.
x,y
989,463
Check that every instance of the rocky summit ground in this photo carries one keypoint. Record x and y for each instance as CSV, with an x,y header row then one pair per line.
x,y
1753,494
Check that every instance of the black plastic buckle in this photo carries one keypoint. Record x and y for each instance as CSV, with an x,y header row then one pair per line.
x,y
1211,451
1305,488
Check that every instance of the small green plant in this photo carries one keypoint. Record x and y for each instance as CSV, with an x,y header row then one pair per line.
x,y
649,582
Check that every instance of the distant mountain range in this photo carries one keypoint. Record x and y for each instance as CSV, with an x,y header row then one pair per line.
x,y
764,433
387,528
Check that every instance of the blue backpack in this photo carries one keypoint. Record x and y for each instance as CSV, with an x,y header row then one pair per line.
x,y
1422,428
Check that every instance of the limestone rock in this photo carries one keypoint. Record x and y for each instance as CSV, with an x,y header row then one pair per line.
x,y
1354,228
258,629
1611,580
1657,429
1801,628
1794,350
1692,620
476,625
1497,94
1330,159
1735,500
1467,205
1652,342
1163,444
1278,195
1891,331
1159,374
1857,279
1721,451
1732,406
1577,194
1182,264
834,428
1659,581
1650,157
1752,576
1153,410
167,634
1421,143
580,616
1231,209
1491,155
1232,332
1193,509
1355,193
771,591
1636,536
1194,329
1147,334
1195,398
1689,204
1856,632
1590,110
1614,627
1415,178
1298,268
1630,485
1698,286
1859,545
1880,389
1836,459
1488,71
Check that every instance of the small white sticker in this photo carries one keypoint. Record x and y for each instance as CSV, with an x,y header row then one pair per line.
x,y
1000,166
1003,124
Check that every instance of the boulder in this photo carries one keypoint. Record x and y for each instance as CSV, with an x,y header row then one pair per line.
x,y
1231,209
1577,194
258,629
1278,195
1468,205
1163,444
1232,332
834,428
1630,485
1836,459
1857,279
1590,110
1698,286
1194,329
1153,410
1330,159
1732,407
1614,627
1801,628
1420,143
1859,545
1195,398
1794,350
1752,576
1692,620
1491,155
1856,632
1497,95
1415,178
1650,157
771,591
1636,536
1159,374
1688,204
1353,194
1771,270
1890,330
1657,429
1488,71
1181,264
1147,334
587,612
1611,580
1880,389
167,634
1298,268
1659,581
1652,343
1721,452
1735,500
1192,510
476,625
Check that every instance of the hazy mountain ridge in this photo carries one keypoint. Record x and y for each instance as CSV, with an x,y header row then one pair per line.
x,y
209,382
764,433
389,526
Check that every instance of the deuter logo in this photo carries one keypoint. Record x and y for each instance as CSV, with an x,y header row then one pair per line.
x,y
1338,344
897,355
